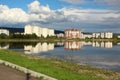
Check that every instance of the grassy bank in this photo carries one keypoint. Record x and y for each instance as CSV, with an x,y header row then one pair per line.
x,y
58,69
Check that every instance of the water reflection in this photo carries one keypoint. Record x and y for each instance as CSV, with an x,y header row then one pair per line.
x,y
4,46
78,45
40,47
102,44
101,54
73,45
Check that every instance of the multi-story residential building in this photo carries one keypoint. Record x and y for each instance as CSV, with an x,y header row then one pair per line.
x,y
118,36
72,33
102,35
4,31
108,35
96,35
39,31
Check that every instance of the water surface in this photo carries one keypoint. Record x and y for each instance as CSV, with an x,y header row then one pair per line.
x,y
97,54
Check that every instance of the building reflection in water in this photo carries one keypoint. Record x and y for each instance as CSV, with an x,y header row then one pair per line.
x,y
102,44
4,46
73,45
44,47
78,45
60,43
40,47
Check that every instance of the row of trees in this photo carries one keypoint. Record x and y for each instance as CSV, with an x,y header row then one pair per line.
x,y
25,36
18,36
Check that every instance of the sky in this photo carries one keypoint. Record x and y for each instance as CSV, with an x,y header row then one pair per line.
x,y
87,15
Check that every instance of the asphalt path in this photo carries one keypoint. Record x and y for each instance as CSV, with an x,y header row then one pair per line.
x,y
7,73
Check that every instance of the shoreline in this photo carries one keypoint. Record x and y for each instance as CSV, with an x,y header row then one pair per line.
x,y
58,40
59,67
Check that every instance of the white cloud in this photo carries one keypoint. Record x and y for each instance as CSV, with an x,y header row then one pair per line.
x,y
112,3
38,12
35,7
74,1
89,15
60,18
45,14
12,16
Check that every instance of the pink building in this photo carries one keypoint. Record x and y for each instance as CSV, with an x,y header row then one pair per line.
x,y
72,33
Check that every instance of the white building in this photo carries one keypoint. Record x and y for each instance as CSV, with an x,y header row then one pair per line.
x,y
28,29
108,35
86,36
60,35
4,31
39,31
51,32
118,36
44,32
97,35
102,35
36,30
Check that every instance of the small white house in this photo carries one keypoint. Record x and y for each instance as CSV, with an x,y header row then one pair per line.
x,y
4,31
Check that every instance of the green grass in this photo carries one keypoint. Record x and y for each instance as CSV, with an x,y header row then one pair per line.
x,y
56,68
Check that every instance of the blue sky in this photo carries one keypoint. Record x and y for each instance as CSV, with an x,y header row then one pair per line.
x,y
88,15
54,4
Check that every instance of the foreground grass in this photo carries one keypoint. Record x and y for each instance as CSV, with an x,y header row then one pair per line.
x,y
58,69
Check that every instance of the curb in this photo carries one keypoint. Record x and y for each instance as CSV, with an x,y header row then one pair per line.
x,y
25,70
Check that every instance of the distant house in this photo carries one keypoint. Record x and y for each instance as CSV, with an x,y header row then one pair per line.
x,y
72,33
60,35
4,31
108,35
103,35
86,36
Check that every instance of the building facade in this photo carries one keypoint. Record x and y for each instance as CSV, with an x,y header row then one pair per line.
x,y
72,33
102,35
4,31
108,35
39,31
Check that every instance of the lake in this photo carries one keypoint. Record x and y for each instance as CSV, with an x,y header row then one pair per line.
x,y
97,54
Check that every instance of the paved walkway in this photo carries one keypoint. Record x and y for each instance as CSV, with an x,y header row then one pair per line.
x,y
7,73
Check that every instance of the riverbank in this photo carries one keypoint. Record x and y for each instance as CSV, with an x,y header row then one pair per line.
x,y
57,68
58,40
